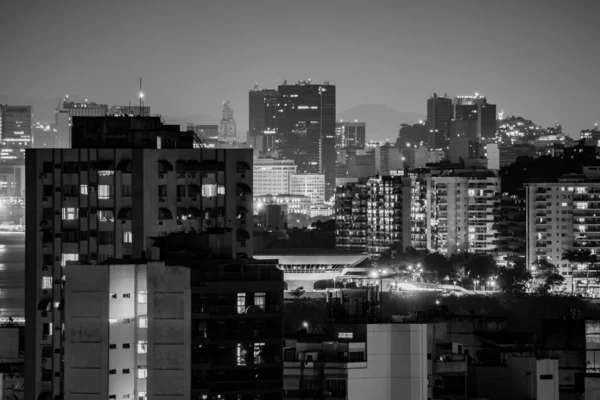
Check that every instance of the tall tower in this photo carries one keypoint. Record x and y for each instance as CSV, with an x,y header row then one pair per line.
x,y
227,128
15,133
262,117
439,115
306,128
479,111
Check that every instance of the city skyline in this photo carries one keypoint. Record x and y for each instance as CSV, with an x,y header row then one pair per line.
x,y
493,51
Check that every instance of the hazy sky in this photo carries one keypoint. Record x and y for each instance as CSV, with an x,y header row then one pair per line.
x,y
538,59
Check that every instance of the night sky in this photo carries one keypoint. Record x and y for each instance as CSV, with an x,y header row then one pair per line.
x,y
535,58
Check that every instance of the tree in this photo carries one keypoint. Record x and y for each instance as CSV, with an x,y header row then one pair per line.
x,y
481,265
298,292
514,279
545,277
439,265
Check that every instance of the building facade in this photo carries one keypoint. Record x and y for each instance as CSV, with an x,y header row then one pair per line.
x,y
262,117
15,133
374,217
309,185
561,216
272,176
306,128
439,114
350,135
66,111
461,212
476,108
227,127
105,199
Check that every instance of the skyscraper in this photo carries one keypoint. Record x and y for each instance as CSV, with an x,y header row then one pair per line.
x,y
263,116
15,133
227,127
350,135
476,108
439,115
306,128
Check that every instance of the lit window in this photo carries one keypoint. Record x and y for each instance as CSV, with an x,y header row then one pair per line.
x,y
112,321
104,192
221,189
143,322
142,297
106,216
564,204
142,347
70,213
127,237
69,259
83,189
142,396
142,372
241,354
241,303
47,282
106,173
259,300
209,190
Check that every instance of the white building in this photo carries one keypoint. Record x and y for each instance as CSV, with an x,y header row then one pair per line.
x,y
562,216
309,185
119,342
272,176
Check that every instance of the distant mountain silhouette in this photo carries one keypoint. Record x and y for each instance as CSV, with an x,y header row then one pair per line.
x,y
382,121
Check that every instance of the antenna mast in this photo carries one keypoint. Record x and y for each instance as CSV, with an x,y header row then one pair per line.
x,y
141,97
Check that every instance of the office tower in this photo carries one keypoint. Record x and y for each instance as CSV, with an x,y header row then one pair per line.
x,y
350,135
272,176
562,216
461,210
309,185
463,128
439,115
306,128
227,127
15,133
415,157
374,217
476,108
463,149
387,158
262,117
361,164
126,180
66,111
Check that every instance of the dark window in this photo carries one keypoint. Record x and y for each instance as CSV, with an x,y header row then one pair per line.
x,y
47,213
84,212
126,190
46,329
70,167
112,346
83,166
70,236
126,345
106,237
48,190
180,190
546,377
126,371
162,190
126,295
70,190
84,235
48,168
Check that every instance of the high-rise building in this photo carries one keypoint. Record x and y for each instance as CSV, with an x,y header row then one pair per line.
x,y
262,117
309,185
439,115
387,158
461,210
126,180
375,216
306,128
476,108
500,155
272,176
227,127
350,135
66,111
419,226
415,157
463,148
15,133
562,216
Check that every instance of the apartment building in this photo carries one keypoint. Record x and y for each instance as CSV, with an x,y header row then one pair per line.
x,y
272,176
562,216
374,216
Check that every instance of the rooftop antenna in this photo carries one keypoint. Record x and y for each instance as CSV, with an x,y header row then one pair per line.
x,y
141,96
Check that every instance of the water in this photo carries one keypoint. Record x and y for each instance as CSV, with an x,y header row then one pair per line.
x,y
12,275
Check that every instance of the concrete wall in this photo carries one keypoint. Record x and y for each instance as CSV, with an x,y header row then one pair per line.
x,y
396,364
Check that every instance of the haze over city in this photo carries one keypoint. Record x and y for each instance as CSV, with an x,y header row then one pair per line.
x,y
536,58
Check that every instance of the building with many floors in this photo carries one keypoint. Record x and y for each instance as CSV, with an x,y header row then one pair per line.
x,y
64,114
374,216
15,133
350,135
262,118
272,176
227,126
309,185
477,109
562,215
105,198
439,114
